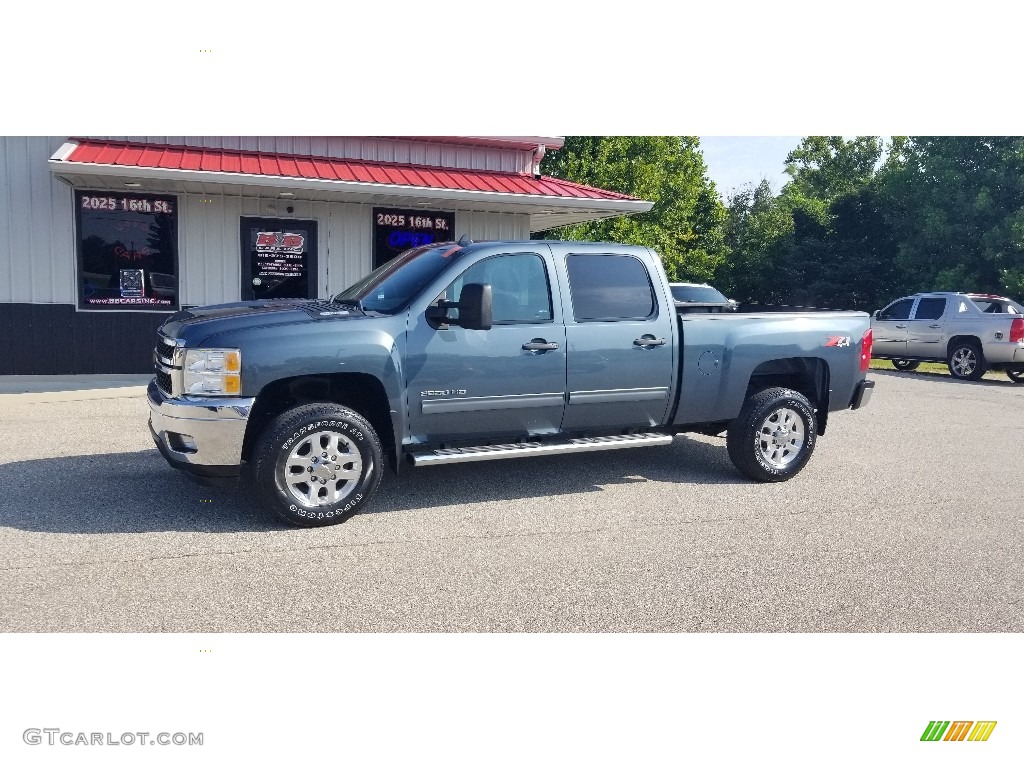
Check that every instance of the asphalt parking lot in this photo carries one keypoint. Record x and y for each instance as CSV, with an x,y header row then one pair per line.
x,y
906,519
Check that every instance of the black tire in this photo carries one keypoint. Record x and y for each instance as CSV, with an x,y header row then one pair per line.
x,y
329,500
751,437
905,365
966,361
1016,375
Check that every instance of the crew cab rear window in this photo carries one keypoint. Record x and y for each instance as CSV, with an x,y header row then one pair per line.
x,y
609,287
930,309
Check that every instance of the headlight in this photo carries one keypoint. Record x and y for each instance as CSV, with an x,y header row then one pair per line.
x,y
213,372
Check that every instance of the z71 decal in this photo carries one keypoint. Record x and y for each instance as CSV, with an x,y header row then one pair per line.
x,y
837,341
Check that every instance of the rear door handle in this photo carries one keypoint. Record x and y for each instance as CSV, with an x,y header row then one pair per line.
x,y
901,326
648,341
935,325
539,345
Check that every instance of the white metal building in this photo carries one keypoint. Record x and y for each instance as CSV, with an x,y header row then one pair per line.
x,y
101,238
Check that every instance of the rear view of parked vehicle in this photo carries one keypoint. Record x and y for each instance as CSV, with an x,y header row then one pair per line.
x,y
971,332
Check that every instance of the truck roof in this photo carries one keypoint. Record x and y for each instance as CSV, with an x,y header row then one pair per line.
x,y
962,293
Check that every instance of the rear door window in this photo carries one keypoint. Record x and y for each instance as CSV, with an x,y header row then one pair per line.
x,y
930,309
609,287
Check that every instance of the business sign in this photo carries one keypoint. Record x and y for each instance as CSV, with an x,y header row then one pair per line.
x,y
127,251
396,230
279,254
278,258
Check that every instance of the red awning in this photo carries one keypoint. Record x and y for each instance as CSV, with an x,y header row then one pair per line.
x,y
227,161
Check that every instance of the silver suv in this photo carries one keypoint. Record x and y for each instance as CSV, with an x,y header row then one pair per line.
x,y
970,332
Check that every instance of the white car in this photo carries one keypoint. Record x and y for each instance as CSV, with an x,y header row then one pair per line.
x,y
701,296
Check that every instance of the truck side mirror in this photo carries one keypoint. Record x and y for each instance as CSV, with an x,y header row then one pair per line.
x,y
875,313
476,307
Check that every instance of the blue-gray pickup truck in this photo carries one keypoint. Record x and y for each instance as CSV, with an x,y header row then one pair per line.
x,y
467,351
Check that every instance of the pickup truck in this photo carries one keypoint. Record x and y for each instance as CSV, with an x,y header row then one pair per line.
x,y
457,352
970,332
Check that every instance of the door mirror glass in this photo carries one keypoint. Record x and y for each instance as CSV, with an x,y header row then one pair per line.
x,y
476,307
474,310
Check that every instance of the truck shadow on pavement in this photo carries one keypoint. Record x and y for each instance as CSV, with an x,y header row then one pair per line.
x,y
138,492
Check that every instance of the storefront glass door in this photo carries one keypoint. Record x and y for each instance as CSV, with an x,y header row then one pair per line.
x,y
279,259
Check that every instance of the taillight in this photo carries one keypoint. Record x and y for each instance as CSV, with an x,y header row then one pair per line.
x,y
865,349
1017,330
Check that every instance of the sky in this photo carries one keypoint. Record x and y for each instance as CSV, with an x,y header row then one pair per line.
x,y
733,161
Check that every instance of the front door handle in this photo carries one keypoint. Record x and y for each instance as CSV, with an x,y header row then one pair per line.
x,y
539,345
901,326
648,341
935,325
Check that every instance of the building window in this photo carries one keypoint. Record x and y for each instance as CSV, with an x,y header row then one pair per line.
x,y
396,231
127,251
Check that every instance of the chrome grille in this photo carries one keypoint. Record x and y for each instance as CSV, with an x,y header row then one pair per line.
x,y
165,349
163,380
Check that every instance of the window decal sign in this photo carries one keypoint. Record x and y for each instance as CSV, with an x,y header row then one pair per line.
x,y
278,258
127,251
395,231
279,254
133,283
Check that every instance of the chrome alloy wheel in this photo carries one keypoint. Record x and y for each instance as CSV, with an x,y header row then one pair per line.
x,y
323,469
964,361
781,437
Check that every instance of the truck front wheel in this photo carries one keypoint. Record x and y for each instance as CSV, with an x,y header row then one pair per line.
x,y
774,435
318,464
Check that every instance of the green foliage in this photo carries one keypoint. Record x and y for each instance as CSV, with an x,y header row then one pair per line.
x,y
861,223
685,224
959,209
858,224
827,167
758,229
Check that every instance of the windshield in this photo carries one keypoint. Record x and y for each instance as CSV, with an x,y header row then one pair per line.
x,y
704,294
390,287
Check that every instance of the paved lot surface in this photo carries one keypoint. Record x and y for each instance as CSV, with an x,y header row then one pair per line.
x,y
908,518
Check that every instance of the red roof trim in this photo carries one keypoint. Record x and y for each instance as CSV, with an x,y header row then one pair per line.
x,y
172,157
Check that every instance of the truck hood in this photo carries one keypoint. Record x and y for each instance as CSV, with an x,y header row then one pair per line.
x,y
198,323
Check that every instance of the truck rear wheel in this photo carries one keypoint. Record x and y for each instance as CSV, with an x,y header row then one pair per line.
x,y
905,365
774,435
318,464
966,361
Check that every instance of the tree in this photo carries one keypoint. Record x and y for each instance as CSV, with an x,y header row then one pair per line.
x,y
758,229
958,205
685,224
827,167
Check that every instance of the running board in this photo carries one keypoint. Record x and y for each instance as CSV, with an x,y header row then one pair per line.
x,y
516,450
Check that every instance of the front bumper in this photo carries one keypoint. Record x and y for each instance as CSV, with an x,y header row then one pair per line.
x,y
862,394
200,435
